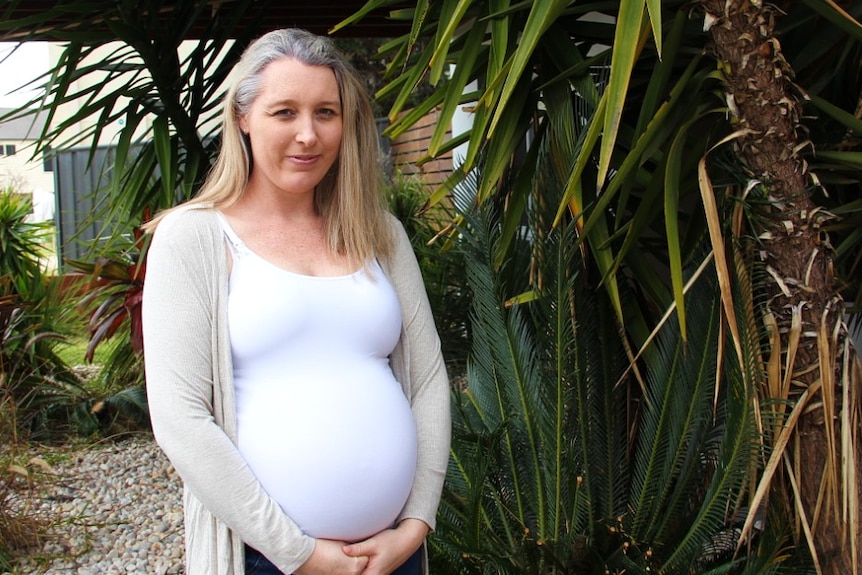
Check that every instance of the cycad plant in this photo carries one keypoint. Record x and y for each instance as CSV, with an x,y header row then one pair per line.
x,y
569,459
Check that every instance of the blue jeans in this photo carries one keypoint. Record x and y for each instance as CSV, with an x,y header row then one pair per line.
x,y
257,564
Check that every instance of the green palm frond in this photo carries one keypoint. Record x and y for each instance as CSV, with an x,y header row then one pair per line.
x,y
164,92
552,116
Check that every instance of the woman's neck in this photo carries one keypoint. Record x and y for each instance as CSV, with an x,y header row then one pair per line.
x,y
271,204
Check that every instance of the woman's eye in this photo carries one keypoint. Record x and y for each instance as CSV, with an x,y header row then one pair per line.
x,y
327,112
283,112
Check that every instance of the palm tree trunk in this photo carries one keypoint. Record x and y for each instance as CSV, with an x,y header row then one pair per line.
x,y
797,255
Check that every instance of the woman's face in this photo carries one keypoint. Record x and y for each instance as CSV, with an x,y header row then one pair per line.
x,y
294,126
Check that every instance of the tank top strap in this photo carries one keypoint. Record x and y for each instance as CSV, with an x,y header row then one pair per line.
x,y
237,246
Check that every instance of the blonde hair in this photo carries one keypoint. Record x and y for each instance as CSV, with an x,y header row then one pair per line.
x,y
349,197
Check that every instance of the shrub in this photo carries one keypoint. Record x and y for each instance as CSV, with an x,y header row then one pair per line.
x,y
37,386
111,300
20,528
441,263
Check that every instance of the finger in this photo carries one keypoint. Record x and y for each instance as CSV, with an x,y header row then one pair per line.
x,y
354,550
360,563
357,549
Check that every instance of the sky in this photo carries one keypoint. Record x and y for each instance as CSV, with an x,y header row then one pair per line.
x,y
24,64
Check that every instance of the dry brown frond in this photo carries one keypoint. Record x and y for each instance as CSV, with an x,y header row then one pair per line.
x,y
20,527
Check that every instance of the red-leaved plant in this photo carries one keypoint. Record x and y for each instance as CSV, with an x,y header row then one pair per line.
x,y
114,293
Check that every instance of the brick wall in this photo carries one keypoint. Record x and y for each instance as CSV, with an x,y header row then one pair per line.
x,y
412,145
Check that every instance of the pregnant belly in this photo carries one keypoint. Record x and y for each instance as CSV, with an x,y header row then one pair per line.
x,y
338,456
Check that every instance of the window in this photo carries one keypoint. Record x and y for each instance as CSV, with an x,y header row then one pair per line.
x,y
10,149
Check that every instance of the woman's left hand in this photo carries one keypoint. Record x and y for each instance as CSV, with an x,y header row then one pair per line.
x,y
389,549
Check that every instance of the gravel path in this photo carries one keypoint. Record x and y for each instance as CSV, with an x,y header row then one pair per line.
x,y
117,509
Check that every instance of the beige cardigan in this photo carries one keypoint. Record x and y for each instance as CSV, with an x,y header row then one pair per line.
x,y
191,398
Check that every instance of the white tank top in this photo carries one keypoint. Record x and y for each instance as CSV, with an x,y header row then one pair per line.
x,y
321,420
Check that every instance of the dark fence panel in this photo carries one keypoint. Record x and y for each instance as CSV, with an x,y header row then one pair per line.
x,y
77,201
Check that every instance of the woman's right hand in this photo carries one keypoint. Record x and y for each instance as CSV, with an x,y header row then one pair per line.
x,y
328,558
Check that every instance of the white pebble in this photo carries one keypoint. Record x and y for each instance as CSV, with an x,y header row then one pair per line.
x,y
119,511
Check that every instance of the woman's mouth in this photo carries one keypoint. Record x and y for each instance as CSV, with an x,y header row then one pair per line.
x,y
303,159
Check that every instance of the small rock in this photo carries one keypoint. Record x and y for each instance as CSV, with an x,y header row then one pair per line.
x,y
117,510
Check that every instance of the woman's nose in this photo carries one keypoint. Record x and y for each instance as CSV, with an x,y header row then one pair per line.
x,y
305,130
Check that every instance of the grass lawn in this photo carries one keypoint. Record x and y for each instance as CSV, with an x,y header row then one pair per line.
x,y
72,352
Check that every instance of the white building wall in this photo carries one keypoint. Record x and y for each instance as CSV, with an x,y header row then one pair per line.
x,y
20,171
20,69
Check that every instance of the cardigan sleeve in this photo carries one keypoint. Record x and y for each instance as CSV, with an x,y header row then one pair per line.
x,y
180,304
427,381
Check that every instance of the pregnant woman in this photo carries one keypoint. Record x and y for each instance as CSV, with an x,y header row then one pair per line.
x,y
293,369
